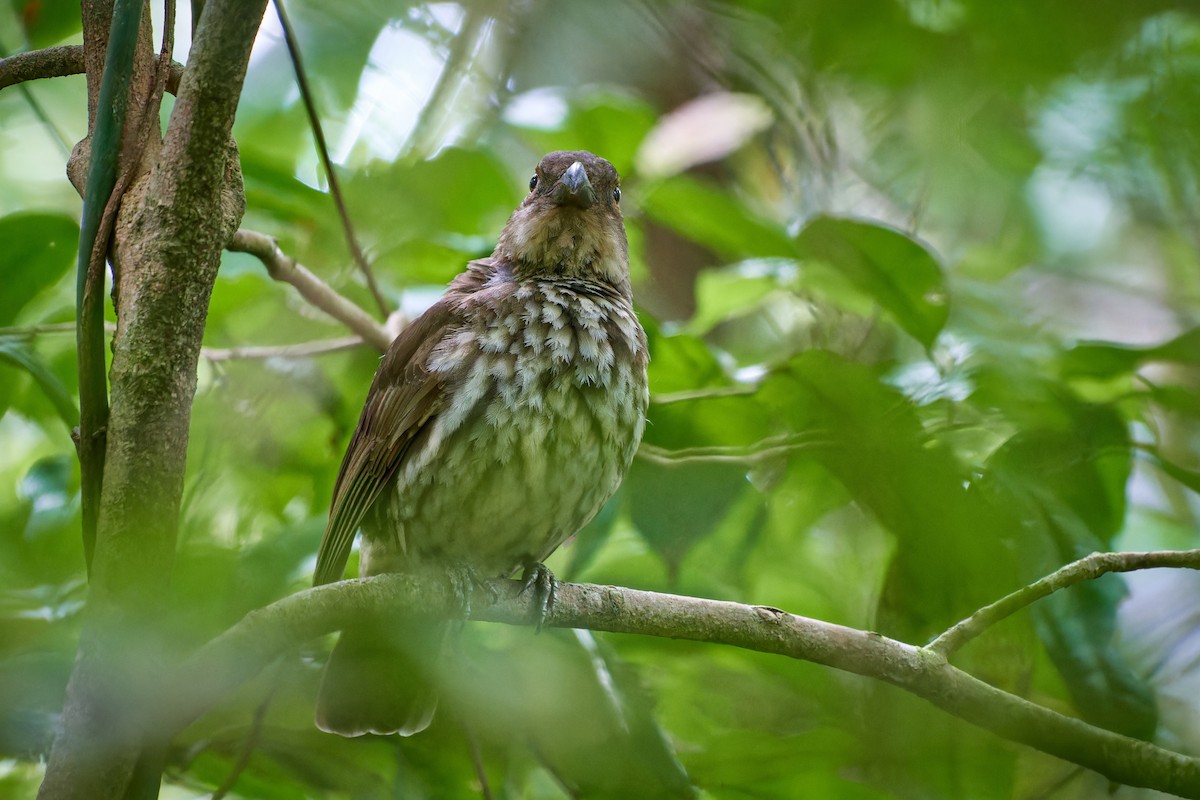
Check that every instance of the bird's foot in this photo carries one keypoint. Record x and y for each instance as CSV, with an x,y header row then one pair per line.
x,y
538,578
464,580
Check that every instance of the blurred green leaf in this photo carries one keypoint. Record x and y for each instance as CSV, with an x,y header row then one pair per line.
x,y
1068,485
676,505
714,217
608,123
897,272
46,22
1106,360
1078,626
869,437
17,352
38,250
680,362
47,488
1188,477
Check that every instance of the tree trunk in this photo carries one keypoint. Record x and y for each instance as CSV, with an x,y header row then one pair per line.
x,y
172,228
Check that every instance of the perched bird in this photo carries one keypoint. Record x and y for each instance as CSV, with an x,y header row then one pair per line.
x,y
498,423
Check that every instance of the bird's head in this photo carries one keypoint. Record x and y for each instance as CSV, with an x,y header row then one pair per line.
x,y
569,224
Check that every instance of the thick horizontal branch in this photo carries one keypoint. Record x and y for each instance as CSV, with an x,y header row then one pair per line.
x,y
58,62
282,267
263,635
1085,569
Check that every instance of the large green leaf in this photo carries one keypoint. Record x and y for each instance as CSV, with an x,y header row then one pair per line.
x,y
897,272
950,557
37,250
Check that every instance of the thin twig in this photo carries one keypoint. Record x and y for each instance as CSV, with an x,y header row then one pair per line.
x,y
248,747
731,454
485,787
702,394
1085,569
284,268
29,331
301,350
335,190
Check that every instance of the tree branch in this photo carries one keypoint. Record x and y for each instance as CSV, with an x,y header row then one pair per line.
x,y
264,634
284,268
1085,569
58,62
52,62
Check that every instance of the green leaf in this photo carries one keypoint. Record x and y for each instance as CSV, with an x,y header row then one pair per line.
x,y
674,506
1077,626
47,489
460,193
38,249
1188,477
1068,485
608,123
896,271
47,22
681,362
16,351
950,558
1107,359
714,217
734,290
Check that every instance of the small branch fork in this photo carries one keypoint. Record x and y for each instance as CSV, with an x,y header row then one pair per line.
x,y
68,60
284,268
1085,569
259,638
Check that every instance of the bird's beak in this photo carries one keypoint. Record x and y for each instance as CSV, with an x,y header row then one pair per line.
x,y
574,188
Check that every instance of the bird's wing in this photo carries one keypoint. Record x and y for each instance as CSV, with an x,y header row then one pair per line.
x,y
403,399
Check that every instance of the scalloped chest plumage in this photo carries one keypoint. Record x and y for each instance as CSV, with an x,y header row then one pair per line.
x,y
546,401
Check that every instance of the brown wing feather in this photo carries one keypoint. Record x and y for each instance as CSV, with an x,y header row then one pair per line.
x,y
402,400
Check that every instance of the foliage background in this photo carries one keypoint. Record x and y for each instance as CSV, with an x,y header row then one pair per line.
x,y
921,280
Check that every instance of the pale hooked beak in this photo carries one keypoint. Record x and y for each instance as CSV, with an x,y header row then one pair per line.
x,y
574,188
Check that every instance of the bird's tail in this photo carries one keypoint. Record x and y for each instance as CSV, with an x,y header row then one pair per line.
x,y
380,679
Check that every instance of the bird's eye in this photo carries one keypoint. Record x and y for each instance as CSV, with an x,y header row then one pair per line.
x,y
617,194
533,183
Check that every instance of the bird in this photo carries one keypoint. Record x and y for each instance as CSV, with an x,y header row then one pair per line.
x,y
497,425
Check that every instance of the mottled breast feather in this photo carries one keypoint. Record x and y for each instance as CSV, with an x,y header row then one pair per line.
x,y
547,419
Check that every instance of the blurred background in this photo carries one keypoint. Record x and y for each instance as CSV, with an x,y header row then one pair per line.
x,y
921,280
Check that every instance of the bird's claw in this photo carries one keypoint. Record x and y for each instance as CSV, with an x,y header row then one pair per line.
x,y
463,582
538,577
